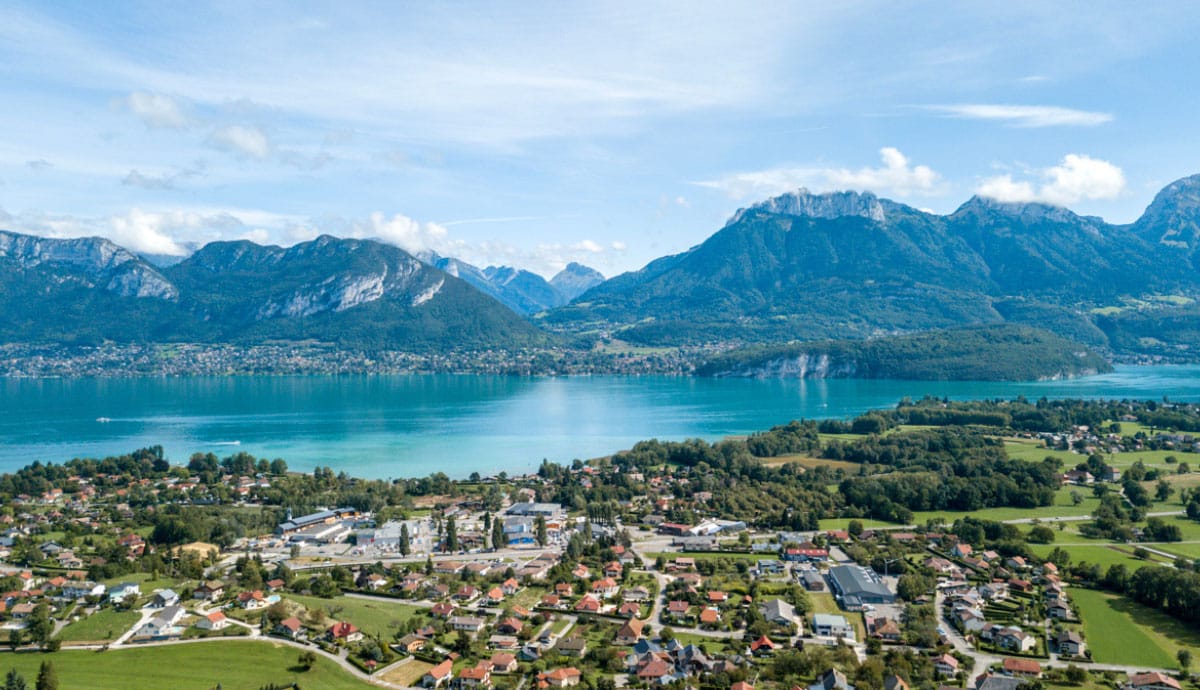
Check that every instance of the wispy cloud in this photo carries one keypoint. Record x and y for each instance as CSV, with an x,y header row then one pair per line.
x,y
1076,178
243,141
1025,115
897,176
156,110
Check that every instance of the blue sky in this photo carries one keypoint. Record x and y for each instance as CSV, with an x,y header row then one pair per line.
x,y
533,134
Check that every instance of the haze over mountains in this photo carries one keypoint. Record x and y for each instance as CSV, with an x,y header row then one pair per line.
x,y
796,267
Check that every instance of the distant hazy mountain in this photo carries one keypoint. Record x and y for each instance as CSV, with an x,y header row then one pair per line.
x,y
524,292
358,293
808,266
574,280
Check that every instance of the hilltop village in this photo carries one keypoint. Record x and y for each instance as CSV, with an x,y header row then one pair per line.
x,y
992,545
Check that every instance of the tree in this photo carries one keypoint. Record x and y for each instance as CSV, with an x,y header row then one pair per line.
x,y
1076,498
855,528
1041,534
451,535
307,659
1184,657
16,638
39,626
1163,490
14,681
47,678
405,540
1076,675
498,539
541,530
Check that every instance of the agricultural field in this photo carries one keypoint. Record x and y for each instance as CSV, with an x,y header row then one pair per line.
x,y
1099,554
1120,631
185,667
1064,506
843,523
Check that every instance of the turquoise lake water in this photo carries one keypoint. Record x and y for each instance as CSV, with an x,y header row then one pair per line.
x,y
401,426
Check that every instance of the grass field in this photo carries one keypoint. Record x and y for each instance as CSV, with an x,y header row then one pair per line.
x,y
372,616
409,674
672,555
843,523
105,625
810,462
199,666
1063,507
1098,554
1120,631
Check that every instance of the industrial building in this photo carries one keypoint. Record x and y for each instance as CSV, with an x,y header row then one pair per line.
x,y
856,586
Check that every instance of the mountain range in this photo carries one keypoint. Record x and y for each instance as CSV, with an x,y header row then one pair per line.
x,y
797,267
805,266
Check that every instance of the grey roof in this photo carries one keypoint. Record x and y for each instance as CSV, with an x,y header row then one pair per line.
x,y
854,580
829,620
1000,683
832,680
778,608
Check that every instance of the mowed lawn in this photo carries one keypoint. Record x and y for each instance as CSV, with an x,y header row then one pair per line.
x,y
196,666
105,625
1096,554
1120,631
372,616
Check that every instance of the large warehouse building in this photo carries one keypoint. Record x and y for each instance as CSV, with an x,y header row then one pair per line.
x,y
855,586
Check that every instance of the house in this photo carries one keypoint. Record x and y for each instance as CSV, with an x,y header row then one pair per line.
x,y
503,662
805,555
412,643
613,569
1022,668
343,631
163,624
1015,639
885,629
581,572
629,609
636,594
275,585
210,590
830,625
510,586
894,682
994,682
1070,643
961,550
1057,608
588,604
466,623
79,590
374,582
678,608
812,581
164,598
762,645
477,676
213,621
290,628
606,587
510,626
123,591
629,633
1152,681
466,593
252,601
494,597
710,616
564,589
551,601
655,671
442,610
945,665
442,673
560,678
572,646
831,680
779,612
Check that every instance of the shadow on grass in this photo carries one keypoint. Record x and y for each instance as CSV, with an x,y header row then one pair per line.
x,y
1180,632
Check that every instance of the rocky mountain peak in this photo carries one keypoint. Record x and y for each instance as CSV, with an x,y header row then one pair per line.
x,y
828,205
1173,218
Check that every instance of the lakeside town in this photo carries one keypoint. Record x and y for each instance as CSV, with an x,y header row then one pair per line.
x,y
646,569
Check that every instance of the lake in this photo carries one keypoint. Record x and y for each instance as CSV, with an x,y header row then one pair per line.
x,y
402,426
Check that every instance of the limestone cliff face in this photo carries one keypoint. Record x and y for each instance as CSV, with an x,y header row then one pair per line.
x,y
90,261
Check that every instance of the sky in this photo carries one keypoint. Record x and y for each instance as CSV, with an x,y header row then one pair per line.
x,y
536,133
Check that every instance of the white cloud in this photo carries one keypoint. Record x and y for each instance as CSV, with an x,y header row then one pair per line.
x,y
1026,115
589,246
39,164
1076,178
157,110
242,141
896,176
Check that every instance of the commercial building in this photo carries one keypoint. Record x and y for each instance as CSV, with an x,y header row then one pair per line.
x,y
856,586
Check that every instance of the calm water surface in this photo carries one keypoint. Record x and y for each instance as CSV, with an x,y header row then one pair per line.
x,y
399,426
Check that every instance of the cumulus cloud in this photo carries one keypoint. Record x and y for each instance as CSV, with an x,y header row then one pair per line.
x,y
1026,115
157,110
242,141
1076,178
896,176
